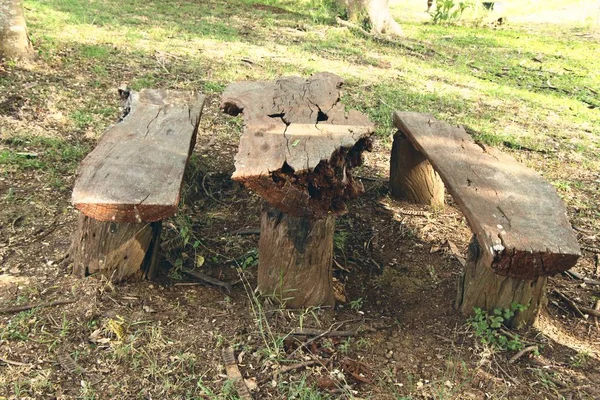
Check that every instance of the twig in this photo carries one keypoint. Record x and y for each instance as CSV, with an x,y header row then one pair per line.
x,y
597,308
321,333
521,353
255,231
577,275
515,337
207,279
591,249
10,362
580,309
25,307
233,373
571,303
294,367
368,178
582,230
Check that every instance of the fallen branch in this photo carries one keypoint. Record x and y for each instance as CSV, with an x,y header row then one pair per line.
x,y
207,279
25,307
234,375
521,353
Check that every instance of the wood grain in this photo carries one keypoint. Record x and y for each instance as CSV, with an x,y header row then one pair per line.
x,y
135,173
518,218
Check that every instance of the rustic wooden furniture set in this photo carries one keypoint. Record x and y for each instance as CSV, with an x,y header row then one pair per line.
x,y
297,152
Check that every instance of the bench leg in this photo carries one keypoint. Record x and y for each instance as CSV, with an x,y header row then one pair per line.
x,y
295,257
412,177
115,250
481,287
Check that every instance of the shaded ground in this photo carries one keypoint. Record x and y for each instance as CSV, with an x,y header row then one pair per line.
x,y
396,270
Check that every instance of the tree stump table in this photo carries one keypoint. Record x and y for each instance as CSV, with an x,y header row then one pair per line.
x,y
297,152
130,182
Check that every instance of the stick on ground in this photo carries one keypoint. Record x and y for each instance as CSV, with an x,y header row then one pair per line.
x,y
25,307
521,353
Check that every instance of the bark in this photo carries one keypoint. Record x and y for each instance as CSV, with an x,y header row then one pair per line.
x,y
14,42
295,256
377,12
412,177
116,250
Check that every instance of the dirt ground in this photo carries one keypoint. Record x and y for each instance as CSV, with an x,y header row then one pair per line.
x,y
396,271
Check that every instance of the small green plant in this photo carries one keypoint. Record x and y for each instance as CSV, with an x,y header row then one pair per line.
x,y
488,328
580,359
449,10
250,259
357,304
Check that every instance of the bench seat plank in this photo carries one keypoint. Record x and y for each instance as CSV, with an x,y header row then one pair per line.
x,y
136,171
518,218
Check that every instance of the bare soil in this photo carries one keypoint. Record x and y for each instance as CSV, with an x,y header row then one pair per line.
x,y
395,277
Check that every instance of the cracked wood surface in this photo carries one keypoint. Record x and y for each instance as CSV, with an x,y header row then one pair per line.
x,y
298,145
518,218
135,173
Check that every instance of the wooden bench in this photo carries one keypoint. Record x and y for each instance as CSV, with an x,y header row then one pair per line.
x,y
131,181
520,225
297,152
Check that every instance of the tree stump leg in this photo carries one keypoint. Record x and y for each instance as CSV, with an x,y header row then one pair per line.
x,y
412,177
295,257
481,287
115,250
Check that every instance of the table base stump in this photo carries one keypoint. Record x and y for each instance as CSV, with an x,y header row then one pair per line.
x,y
295,257
412,177
115,250
480,287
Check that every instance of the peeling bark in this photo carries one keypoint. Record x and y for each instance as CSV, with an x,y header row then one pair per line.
x,y
14,41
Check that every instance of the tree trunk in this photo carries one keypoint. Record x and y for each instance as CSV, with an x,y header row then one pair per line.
x,y
295,256
14,42
115,250
378,13
412,177
481,287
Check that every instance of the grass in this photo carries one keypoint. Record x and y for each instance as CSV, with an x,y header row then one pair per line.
x,y
531,90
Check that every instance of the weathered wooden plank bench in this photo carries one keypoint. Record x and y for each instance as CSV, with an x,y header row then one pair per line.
x,y
520,226
131,181
297,152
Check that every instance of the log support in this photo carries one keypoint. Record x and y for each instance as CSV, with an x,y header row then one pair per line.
x,y
480,287
116,250
295,257
412,177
